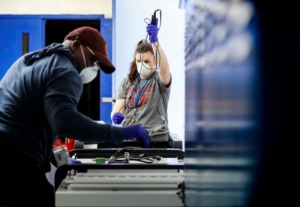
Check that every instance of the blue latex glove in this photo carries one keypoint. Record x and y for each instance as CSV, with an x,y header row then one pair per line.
x,y
137,131
74,161
152,32
117,118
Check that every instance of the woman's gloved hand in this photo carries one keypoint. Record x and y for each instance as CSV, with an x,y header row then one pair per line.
x,y
117,118
137,131
152,32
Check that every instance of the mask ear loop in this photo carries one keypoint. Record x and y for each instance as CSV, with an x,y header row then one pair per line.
x,y
83,55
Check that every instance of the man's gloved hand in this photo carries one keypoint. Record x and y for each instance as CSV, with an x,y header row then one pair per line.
x,y
74,161
137,131
117,118
152,32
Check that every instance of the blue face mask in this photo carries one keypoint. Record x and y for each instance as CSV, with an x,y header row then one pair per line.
x,y
88,74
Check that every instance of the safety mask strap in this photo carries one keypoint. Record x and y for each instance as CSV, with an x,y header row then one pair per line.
x,y
83,55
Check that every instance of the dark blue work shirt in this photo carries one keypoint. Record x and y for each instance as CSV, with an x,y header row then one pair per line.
x,y
38,102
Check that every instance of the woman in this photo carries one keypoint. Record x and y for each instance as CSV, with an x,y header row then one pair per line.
x,y
143,95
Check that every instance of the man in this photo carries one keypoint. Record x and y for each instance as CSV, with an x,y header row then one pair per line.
x,y
38,99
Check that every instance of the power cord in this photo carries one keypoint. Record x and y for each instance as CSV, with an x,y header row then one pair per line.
x,y
124,156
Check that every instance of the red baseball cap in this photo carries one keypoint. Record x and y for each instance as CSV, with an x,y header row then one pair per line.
x,y
92,38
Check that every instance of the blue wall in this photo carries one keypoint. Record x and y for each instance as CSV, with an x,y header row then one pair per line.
x,y
12,27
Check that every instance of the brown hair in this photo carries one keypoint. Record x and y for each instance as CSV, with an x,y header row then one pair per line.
x,y
142,47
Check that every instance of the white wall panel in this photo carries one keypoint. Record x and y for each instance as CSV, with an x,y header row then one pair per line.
x,y
56,7
130,27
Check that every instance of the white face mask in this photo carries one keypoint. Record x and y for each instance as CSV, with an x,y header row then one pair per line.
x,y
88,74
144,70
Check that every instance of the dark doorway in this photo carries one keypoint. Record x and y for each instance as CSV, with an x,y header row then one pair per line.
x,y
55,31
